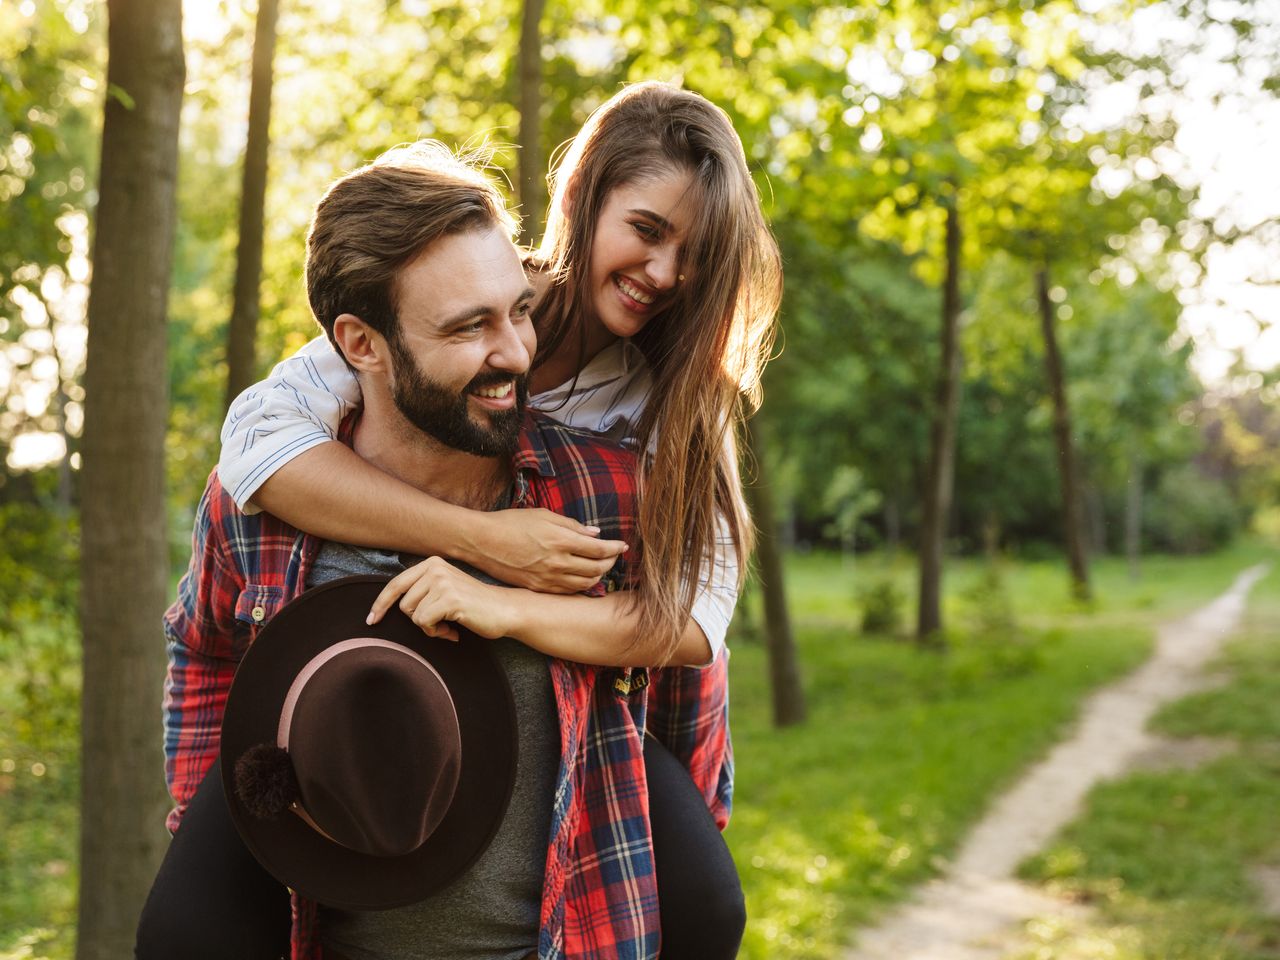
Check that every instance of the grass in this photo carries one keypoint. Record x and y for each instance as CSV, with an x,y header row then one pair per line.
x,y
833,820
1166,857
904,748
39,789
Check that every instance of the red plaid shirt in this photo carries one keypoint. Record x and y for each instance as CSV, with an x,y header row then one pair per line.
x,y
599,897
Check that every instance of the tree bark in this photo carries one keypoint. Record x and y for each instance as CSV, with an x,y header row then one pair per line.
x,y
892,527
242,332
784,666
533,182
124,546
942,443
1070,484
1133,518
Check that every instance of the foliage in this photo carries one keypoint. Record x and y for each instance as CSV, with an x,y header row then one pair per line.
x,y
50,80
1190,513
882,603
39,728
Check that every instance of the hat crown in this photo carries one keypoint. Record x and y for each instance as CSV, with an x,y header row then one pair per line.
x,y
376,748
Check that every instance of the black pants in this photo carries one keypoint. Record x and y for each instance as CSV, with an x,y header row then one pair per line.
x,y
212,900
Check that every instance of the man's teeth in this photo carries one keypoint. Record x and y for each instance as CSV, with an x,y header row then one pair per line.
x,y
635,293
495,393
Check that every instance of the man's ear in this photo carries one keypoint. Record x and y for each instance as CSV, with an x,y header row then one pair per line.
x,y
364,348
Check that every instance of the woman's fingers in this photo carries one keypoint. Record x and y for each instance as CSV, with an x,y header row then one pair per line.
x,y
391,593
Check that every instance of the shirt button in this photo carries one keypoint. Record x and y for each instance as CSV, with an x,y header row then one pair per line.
x,y
258,614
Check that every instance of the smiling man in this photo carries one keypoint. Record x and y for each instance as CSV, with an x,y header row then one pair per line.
x,y
412,272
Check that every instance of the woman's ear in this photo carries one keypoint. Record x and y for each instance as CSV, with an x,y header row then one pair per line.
x,y
364,348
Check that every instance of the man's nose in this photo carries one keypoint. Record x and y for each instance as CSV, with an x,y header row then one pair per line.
x,y
509,351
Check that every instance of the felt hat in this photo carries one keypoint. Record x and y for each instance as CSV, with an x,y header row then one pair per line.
x,y
366,767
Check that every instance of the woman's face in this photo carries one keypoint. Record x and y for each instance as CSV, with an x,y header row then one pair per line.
x,y
635,256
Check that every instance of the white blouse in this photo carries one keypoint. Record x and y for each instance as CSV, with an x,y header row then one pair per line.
x,y
307,395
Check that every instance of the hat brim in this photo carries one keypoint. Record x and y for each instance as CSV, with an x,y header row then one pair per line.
x,y
302,858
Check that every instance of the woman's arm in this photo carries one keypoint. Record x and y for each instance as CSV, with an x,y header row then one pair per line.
x,y
331,492
438,597
279,454
298,407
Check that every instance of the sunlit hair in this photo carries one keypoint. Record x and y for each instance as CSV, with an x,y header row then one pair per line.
x,y
706,350
381,217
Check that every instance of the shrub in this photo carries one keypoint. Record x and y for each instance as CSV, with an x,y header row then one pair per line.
x,y
1189,513
882,603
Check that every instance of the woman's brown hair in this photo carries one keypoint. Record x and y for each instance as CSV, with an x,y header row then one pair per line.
x,y
706,350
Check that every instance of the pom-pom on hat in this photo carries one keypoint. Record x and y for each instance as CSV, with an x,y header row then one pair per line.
x,y
366,766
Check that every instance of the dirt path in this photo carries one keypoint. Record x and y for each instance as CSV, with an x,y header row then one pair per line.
x,y
976,911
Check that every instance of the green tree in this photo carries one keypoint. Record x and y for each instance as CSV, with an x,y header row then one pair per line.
x,y
242,331
124,568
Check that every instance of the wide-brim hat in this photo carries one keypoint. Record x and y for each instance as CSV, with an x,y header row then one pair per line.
x,y
454,694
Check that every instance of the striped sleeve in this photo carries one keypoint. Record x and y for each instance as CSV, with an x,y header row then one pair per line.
x,y
297,407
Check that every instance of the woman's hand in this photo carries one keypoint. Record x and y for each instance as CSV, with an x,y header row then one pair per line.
x,y
439,598
542,551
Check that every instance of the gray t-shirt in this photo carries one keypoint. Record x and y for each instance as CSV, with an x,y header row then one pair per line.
x,y
492,910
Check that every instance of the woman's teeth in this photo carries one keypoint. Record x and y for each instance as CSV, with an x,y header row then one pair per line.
x,y
634,292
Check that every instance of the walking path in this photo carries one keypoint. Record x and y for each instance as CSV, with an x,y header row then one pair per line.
x,y
976,909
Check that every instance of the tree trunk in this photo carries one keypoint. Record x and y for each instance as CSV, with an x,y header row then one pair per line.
x,y
242,332
1133,518
942,443
124,547
892,527
533,172
784,667
65,493
1071,519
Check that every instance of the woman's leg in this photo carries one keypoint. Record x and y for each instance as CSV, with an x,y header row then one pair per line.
x,y
699,893
211,899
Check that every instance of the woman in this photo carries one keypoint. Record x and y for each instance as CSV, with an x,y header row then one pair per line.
x,y
661,281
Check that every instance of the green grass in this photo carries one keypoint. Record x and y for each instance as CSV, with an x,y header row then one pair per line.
x,y
39,788
832,820
1165,857
904,748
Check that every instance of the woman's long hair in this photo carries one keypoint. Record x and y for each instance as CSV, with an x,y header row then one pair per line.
x,y
706,350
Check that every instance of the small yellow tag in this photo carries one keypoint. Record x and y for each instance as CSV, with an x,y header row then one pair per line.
x,y
633,682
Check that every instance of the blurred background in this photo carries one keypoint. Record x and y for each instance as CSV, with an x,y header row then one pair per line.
x,y
1030,341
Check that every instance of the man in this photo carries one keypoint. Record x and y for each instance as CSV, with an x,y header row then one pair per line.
x,y
412,273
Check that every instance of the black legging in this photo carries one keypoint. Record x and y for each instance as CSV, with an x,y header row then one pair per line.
x,y
699,893
212,901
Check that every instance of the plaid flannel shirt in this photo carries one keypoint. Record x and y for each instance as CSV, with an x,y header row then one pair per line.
x,y
599,895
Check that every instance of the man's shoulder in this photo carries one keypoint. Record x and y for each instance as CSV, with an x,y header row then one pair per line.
x,y
564,444
218,518
578,473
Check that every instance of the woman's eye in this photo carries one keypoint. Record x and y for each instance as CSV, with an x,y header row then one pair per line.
x,y
647,232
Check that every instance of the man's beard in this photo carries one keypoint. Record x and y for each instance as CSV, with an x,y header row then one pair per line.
x,y
442,413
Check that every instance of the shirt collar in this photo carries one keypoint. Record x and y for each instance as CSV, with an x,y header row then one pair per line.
x,y
531,453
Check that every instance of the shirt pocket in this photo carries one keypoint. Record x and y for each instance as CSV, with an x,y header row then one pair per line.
x,y
255,607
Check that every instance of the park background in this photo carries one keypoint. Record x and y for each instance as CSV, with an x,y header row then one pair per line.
x,y
1024,405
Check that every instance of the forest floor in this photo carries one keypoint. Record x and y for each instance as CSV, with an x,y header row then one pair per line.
x,y
979,909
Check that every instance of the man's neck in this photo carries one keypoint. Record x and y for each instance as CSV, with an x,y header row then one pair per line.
x,y
395,446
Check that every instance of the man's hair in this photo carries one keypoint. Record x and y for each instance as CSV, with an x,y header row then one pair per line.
x,y
377,219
